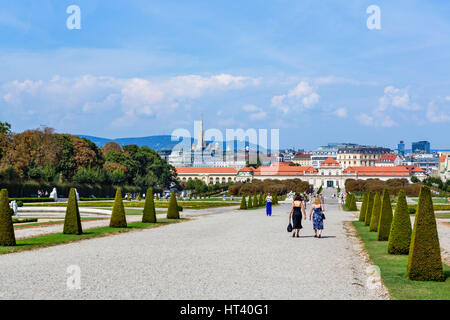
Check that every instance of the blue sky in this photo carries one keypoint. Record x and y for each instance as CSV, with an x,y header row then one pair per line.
x,y
309,68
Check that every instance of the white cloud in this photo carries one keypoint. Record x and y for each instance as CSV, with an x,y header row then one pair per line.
x,y
341,112
256,113
302,89
303,96
133,96
250,108
437,113
365,119
397,98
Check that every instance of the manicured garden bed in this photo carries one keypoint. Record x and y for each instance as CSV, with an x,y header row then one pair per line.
x,y
140,204
59,238
393,271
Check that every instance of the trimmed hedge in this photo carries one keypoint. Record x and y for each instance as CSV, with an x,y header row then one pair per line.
x,y
243,203
7,236
118,218
369,209
28,189
384,224
72,221
400,234
424,260
373,226
32,200
250,202
172,211
363,209
149,213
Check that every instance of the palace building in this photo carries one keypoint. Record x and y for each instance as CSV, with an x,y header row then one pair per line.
x,y
360,156
329,174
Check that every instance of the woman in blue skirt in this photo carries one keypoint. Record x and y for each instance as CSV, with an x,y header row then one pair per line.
x,y
269,205
318,210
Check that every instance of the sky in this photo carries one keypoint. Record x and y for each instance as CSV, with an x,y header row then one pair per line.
x,y
312,69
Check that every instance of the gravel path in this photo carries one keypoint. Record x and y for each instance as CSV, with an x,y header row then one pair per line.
x,y
234,255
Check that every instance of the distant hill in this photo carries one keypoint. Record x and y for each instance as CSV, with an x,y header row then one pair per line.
x,y
157,143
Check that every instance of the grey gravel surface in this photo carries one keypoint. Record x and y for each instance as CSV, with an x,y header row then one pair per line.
x,y
234,255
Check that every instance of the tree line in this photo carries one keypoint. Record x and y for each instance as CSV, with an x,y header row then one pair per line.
x,y
41,156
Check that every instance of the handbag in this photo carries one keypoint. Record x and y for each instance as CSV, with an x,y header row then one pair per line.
x,y
289,227
323,216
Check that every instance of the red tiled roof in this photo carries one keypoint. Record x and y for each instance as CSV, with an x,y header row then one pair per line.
x,y
281,169
442,158
379,171
413,168
217,170
387,158
302,156
329,162
247,169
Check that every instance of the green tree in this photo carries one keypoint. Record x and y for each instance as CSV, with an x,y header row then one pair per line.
x,y
373,226
149,214
369,209
353,206
243,203
274,200
172,211
261,200
118,218
400,234
72,221
384,223
5,128
7,237
320,190
424,260
250,202
363,209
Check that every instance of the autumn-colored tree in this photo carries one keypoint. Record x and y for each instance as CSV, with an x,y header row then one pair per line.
x,y
111,146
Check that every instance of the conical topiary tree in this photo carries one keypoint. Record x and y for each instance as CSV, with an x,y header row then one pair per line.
x,y
369,209
172,210
149,213
385,220
250,202
72,221
363,209
118,218
347,200
424,260
261,200
400,234
243,203
7,237
353,206
373,226
274,199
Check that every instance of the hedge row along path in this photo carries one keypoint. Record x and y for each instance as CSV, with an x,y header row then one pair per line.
x,y
232,255
56,228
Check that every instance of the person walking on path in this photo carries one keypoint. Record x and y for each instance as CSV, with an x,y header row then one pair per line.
x,y
269,205
318,216
297,209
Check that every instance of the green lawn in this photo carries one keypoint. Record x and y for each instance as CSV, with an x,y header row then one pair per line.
x,y
137,212
443,215
59,238
19,225
393,271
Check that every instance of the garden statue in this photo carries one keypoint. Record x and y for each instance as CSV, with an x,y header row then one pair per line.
x,y
77,195
13,205
54,194
290,196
